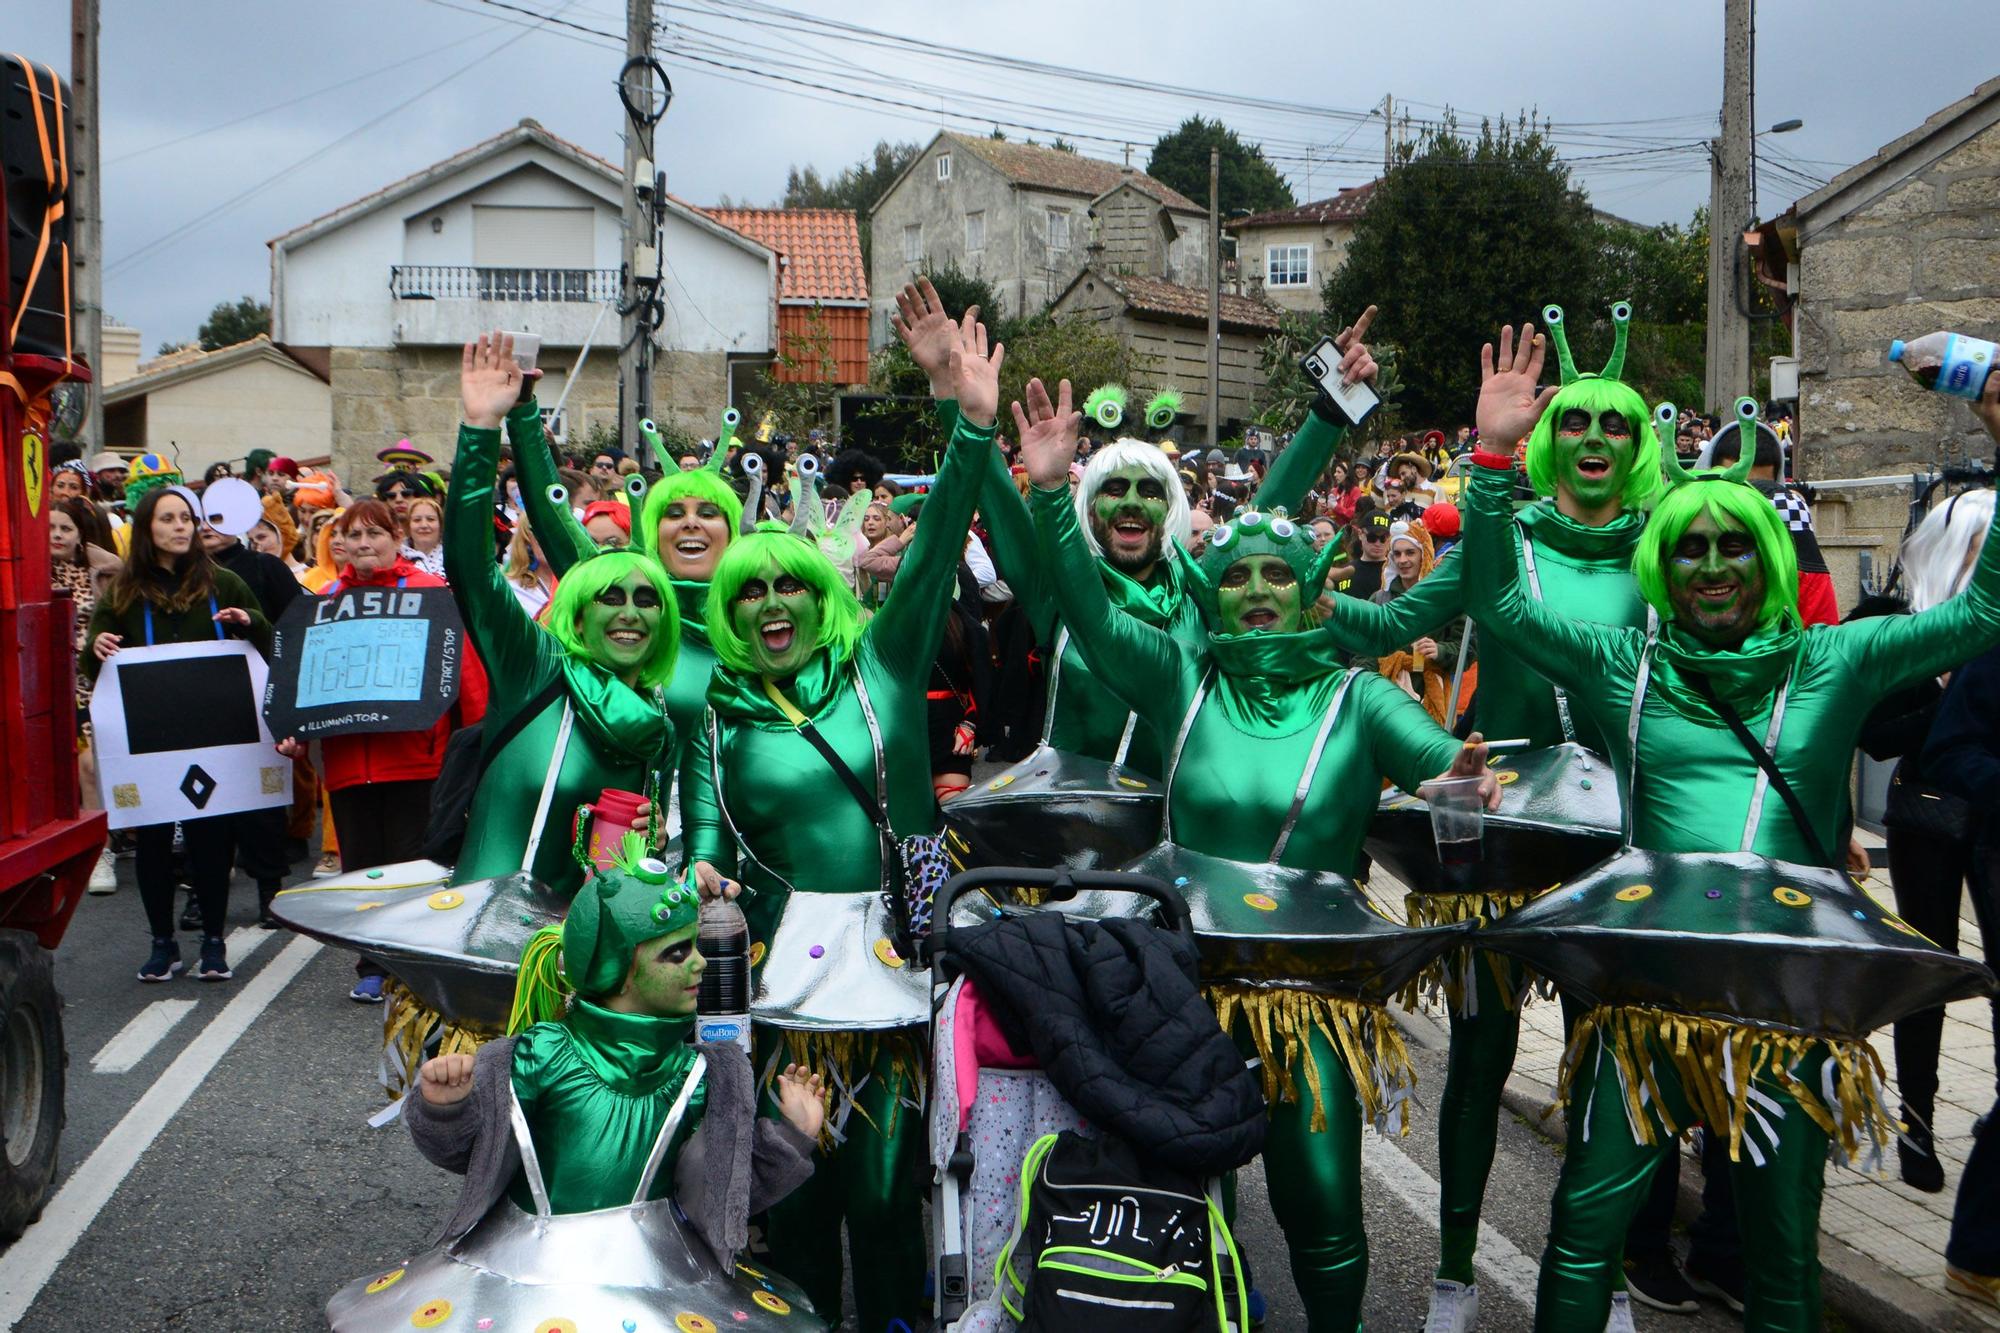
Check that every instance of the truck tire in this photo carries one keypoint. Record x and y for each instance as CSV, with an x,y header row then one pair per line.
x,y
32,1061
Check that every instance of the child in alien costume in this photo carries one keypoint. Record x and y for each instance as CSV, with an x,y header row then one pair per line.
x,y
814,835
611,1164
1732,970
1273,774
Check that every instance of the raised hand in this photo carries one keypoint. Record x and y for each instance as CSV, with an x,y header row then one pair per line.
x,y
1356,362
711,882
1510,399
446,1080
1048,434
975,374
921,322
801,1099
489,383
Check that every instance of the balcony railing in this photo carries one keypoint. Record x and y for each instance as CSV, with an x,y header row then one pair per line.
x,y
467,282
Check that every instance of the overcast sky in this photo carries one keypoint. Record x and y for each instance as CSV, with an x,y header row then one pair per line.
x,y
207,101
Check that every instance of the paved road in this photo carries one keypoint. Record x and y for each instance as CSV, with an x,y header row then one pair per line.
x,y
228,1180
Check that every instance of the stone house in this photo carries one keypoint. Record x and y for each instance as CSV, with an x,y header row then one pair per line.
x,y
1027,219
1168,323
213,407
1899,245
520,232
1286,255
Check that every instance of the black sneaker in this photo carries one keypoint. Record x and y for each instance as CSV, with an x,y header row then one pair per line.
x,y
1655,1280
1722,1282
191,915
1916,1152
266,892
214,964
164,962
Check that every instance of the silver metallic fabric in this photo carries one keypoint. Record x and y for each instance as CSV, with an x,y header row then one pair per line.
x,y
830,966
1055,809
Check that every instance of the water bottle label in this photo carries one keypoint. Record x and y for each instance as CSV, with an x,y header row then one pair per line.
x,y
724,1030
1966,362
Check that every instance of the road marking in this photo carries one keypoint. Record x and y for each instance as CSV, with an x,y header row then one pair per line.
x,y
27,1266
1498,1258
136,1040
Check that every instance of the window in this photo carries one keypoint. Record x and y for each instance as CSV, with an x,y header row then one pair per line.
x,y
913,242
1288,265
1058,229
944,166
975,231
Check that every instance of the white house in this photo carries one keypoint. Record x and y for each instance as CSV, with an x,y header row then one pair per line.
x,y
200,408
520,232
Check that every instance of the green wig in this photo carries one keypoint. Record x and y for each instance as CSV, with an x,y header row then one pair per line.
x,y
839,608
590,577
700,484
1595,392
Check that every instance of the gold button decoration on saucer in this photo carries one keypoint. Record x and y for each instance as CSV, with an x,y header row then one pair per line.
x,y
386,1281
1263,902
1791,897
885,954
1633,893
445,899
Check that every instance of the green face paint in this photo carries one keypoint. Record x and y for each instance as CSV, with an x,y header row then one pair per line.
x,y
1128,516
1594,455
619,624
1259,594
666,975
1715,579
779,617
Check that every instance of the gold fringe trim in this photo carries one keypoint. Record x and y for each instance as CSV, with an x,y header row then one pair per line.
x,y
1717,1063
842,1059
1447,976
407,1027
1362,1035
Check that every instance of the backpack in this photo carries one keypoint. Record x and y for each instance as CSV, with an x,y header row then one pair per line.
x,y
464,764
1116,1244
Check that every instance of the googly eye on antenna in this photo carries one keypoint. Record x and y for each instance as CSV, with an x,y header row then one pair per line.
x,y
752,463
635,486
1746,410
1552,316
808,466
558,494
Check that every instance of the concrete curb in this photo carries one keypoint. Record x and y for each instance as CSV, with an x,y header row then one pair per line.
x,y
1859,1292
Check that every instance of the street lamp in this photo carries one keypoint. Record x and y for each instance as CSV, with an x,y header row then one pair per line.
x,y
1786,127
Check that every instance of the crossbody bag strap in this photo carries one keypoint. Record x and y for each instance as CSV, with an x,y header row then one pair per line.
x,y
1770,775
1535,588
871,805
1174,759
1312,767
675,1114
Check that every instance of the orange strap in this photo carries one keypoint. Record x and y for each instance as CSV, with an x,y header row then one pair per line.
x,y
51,215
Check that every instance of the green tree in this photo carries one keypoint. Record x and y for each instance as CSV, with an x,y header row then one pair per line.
x,y
857,187
231,323
1245,179
1288,392
1663,269
1461,235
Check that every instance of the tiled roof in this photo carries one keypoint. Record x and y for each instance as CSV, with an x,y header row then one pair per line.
x,y
1346,206
1154,296
1071,173
822,245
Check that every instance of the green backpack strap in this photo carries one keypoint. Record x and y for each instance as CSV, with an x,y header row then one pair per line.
x,y
1006,1283
1221,1241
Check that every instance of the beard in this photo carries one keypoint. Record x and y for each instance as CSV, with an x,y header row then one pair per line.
x,y
1127,562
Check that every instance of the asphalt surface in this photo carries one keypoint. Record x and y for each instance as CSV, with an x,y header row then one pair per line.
x,y
265,1189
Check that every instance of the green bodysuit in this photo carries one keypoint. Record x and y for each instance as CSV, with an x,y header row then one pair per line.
x,y
1232,787
616,736
1694,788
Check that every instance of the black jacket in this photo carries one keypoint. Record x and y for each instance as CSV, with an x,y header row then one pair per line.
x,y
270,578
1963,752
1114,1015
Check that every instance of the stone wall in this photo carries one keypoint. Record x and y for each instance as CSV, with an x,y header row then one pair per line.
x,y
1923,255
382,394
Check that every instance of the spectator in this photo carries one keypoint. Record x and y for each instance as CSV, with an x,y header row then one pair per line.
x,y
80,559
70,481
609,523
423,535
1366,580
528,571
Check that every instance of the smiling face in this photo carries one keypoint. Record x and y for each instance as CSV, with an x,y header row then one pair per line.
x,y
1259,594
617,626
1407,560
691,537
1716,582
778,616
1128,517
173,527
665,978
426,528
1593,454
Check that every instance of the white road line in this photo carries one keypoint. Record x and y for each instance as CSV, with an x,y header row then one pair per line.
x,y
136,1040
1498,1258
27,1266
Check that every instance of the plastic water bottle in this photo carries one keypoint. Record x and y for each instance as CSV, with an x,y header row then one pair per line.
x,y
1946,362
723,1007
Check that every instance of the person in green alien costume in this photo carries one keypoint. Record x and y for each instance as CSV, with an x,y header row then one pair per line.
x,y
590,684
1134,514
762,806
1594,457
1253,704
1716,564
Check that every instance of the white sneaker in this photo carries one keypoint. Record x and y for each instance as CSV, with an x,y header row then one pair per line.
x,y
103,875
1454,1307
1621,1314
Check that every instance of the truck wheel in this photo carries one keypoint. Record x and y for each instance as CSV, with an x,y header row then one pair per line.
x,y
32,1060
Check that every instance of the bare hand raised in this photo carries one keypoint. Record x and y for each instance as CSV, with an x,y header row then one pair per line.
x,y
801,1099
1048,434
1510,401
489,381
930,334
975,375
1357,363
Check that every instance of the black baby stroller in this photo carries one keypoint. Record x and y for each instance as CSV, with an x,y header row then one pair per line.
x,y
1029,1004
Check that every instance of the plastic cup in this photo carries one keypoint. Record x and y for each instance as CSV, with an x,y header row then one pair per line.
x,y
527,346
1458,819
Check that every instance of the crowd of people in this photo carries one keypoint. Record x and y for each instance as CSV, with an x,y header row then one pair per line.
x,y
797,658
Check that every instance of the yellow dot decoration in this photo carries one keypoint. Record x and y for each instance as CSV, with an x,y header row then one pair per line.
x,y
431,1313
1791,897
445,899
556,1326
1403,803
1263,902
1506,777
1897,923
772,1301
885,954
386,1281
756,953
1004,780
748,1271
366,907
1633,893
1133,783
688,1322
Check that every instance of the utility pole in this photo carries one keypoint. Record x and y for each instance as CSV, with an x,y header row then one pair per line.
x,y
1728,375
1214,292
1388,132
641,310
86,220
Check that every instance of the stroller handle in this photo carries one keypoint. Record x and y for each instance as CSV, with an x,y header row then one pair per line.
x,y
1060,885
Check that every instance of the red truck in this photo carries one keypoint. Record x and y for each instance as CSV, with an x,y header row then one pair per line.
x,y
48,842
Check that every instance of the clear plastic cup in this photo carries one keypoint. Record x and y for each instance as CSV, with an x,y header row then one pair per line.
x,y
1458,819
527,349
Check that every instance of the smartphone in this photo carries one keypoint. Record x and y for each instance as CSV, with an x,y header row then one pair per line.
x,y
1356,401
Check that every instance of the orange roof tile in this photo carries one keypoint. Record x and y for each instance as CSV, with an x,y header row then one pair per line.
x,y
1346,206
822,247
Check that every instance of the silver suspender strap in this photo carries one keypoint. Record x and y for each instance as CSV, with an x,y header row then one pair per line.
x,y
1639,686
1764,779
1757,792
1174,759
675,1115
1055,684
560,753
1312,766
531,1165
1535,588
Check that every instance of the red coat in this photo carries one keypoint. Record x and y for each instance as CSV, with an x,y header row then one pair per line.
x,y
400,756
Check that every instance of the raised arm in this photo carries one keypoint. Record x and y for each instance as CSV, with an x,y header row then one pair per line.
x,y
1409,747
1312,448
1375,629
702,831
563,539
